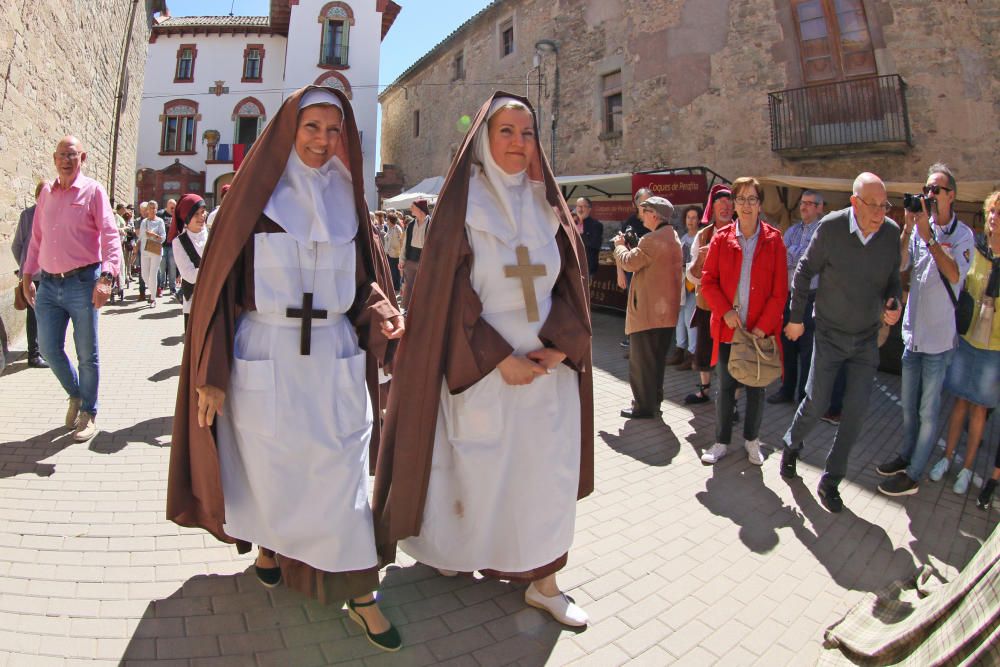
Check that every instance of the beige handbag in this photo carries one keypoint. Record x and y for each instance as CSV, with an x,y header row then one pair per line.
x,y
153,247
754,362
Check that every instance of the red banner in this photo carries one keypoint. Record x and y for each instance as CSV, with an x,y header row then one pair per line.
x,y
239,152
612,211
680,189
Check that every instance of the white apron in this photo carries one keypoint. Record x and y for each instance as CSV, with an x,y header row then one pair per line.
x,y
506,464
294,434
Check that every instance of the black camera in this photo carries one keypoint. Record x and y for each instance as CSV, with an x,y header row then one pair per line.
x,y
912,204
631,239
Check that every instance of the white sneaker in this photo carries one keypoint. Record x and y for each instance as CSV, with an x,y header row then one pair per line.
x,y
714,453
86,428
962,483
561,607
753,452
939,470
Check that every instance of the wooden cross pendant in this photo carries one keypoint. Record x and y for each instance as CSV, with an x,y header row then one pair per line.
x,y
526,272
306,313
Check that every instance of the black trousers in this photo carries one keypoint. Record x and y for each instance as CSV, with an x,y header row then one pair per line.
x,y
725,402
32,329
647,361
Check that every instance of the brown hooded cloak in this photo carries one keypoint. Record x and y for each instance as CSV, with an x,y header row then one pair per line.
x,y
223,291
446,338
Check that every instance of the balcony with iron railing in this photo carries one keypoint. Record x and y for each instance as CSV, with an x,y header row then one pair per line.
x,y
866,114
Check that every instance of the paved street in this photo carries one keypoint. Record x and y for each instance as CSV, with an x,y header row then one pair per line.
x,y
676,562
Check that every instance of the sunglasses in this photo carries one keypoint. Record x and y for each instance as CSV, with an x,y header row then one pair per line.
x,y
935,189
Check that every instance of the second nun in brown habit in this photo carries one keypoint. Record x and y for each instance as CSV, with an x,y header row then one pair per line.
x,y
289,323
488,440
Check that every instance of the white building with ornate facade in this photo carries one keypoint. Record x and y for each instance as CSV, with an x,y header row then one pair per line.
x,y
213,82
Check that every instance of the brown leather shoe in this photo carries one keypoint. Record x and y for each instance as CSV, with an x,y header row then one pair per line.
x,y
675,357
687,363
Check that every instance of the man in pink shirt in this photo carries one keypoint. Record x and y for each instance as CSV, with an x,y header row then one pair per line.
x,y
74,254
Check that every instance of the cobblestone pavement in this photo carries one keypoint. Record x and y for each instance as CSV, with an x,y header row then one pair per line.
x,y
676,562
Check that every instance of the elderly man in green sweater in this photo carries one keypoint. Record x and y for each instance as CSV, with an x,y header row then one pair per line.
x,y
855,253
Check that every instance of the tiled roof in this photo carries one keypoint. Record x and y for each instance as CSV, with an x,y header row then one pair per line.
x,y
213,21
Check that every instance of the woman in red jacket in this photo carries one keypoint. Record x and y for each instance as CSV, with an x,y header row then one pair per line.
x,y
745,281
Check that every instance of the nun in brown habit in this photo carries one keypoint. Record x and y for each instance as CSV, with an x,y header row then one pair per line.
x,y
488,438
289,324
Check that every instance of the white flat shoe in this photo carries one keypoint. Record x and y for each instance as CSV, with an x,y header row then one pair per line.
x,y
560,606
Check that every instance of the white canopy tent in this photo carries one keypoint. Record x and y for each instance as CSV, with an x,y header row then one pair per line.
x,y
426,189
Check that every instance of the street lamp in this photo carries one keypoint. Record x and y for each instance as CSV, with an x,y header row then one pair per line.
x,y
542,47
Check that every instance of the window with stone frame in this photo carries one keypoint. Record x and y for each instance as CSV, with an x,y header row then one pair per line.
x,y
611,97
416,122
248,117
507,37
184,71
336,19
253,63
458,66
179,127
834,40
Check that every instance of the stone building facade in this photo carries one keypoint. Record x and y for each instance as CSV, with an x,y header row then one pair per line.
x,y
885,85
64,65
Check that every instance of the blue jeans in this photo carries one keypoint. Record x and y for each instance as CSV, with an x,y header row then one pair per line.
x,y
923,378
58,301
169,268
686,335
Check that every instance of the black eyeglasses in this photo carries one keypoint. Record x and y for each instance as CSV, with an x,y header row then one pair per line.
x,y
935,189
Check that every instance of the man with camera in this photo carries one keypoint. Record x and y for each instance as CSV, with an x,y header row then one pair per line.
x,y
855,253
938,255
654,300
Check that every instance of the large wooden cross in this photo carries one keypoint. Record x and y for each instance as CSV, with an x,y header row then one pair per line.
x,y
306,313
526,272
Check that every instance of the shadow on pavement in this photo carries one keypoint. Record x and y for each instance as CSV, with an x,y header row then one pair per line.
x,y
161,314
170,341
232,618
160,376
24,456
647,440
121,309
737,491
153,432
858,554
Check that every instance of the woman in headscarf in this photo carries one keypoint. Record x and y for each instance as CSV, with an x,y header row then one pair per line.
x,y
189,245
278,385
488,438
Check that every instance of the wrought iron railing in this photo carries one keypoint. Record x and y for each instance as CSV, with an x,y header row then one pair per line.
x,y
871,110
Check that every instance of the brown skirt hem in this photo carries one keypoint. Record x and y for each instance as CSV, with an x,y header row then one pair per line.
x,y
531,575
327,587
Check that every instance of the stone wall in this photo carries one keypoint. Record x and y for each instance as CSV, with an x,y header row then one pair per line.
x,y
60,64
696,74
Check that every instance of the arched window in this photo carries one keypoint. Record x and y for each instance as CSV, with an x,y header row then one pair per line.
x,y
335,80
179,126
336,19
248,115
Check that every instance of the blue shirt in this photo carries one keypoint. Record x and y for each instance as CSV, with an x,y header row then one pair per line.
x,y
929,319
748,246
797,238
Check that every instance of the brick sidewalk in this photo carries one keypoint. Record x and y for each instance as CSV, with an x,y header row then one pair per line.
x,y
675,562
